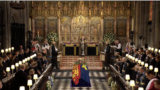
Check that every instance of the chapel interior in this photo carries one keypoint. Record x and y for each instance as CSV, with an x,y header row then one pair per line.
x,y
79,45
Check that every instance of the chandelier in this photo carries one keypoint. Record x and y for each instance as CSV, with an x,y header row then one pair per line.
x,y
17,4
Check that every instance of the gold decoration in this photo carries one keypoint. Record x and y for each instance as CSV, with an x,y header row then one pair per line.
x,y
76,8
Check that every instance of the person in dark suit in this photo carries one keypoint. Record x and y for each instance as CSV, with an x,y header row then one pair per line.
x,y
17,56
158,65
54,54
2,69
26,54
143,55
21,78
152,60
9,55
108,52
5,62
21,55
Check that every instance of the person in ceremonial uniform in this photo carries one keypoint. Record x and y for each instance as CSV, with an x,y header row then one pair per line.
x,y
82,49
33,46
119,47
54,51
125,67
142,78
147,58
107,50
37,46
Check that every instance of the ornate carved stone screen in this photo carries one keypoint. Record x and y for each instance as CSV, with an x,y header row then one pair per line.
x,y
108,25
40,27
52,25
121,27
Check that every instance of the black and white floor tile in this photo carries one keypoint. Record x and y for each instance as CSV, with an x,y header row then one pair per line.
x,y
62,80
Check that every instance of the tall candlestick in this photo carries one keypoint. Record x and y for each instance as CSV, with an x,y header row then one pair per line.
x,y
95,35
132,24
38,33
29,24
65,35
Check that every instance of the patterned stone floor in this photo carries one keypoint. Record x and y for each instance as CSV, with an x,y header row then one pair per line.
x,y
93,62
62,80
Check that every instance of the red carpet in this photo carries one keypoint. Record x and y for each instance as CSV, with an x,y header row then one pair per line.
x,y
93,62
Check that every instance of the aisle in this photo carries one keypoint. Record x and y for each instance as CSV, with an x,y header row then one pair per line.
x,y
93,62
63,80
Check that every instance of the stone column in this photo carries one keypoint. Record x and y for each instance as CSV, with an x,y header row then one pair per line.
x,y
139,24
6,27
153,25
46,28
146,17
102,33
33,28
136,33
71,29
26,14
89,22
59,34
142,22
156,35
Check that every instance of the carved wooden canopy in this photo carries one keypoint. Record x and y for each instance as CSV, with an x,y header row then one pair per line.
x,y
85,8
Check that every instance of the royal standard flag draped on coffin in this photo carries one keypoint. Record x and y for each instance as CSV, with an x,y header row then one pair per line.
x,y
80,75
76,73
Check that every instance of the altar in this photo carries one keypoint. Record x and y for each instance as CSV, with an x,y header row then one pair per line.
x,y
73,49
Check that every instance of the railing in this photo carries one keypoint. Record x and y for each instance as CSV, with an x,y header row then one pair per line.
x,y
118,78
41,82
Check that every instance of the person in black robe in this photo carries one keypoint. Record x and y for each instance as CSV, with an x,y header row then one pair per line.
x,y
21,78
54,55
108,52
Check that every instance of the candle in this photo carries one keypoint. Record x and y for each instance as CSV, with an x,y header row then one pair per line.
x,y
2,51
6,50
38,33
8,69
9,49
127,77
16,64
12,48
29,83
21,88
20,62
156,69
146,65
150,67
12,67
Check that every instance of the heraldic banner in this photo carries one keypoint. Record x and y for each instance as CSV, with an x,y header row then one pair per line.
x,y
80,76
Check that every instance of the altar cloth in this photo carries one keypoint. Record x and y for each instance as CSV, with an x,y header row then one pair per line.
x,y
81,74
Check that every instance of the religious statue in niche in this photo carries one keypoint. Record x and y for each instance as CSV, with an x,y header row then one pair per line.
x,y
80,24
